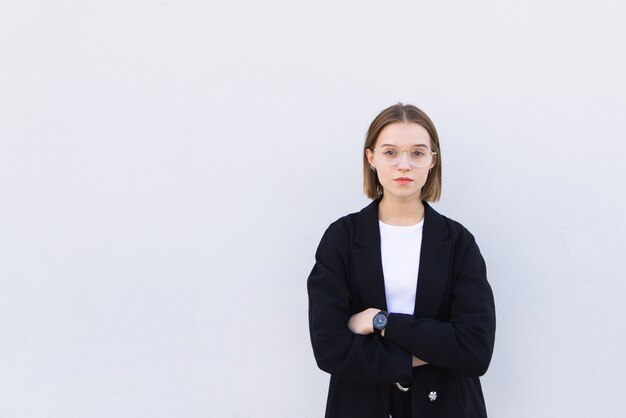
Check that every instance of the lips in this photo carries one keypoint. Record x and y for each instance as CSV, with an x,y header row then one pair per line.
x,y
403,180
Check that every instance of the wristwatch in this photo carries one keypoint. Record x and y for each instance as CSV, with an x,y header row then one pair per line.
x,y
380,322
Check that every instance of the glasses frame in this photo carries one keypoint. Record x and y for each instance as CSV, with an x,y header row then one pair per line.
x,y
407,156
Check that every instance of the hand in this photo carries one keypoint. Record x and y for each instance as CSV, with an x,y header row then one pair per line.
x,y
418,362
362,322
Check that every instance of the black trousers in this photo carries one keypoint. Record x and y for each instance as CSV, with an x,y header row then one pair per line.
x,y
400,403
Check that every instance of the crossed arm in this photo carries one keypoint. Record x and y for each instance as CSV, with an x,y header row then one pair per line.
x,y
362,323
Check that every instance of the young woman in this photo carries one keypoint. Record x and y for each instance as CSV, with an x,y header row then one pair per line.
x,y
400,311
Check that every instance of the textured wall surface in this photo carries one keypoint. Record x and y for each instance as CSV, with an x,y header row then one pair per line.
x,y
167,169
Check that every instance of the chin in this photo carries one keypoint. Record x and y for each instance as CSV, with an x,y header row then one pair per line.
x,y
406,194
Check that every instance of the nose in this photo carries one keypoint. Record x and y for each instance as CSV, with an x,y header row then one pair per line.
x,y
404,164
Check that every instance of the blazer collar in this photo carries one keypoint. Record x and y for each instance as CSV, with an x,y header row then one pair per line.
x,y
434,260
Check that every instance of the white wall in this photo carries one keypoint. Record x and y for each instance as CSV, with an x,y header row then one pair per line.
x,y
167,169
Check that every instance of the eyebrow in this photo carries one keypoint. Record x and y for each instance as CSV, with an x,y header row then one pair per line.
x,y
414,145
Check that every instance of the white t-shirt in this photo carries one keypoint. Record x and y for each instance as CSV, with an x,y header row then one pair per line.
x,y
400,253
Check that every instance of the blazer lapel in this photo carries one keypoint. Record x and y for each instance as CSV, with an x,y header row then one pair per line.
x,y
434,267
367,265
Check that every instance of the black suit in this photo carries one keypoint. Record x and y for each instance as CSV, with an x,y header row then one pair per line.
x,y
453,326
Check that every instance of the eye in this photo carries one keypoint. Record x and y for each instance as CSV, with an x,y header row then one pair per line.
x,y
390,152
417,153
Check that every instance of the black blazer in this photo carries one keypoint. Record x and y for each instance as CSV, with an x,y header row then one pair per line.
x,y
452,328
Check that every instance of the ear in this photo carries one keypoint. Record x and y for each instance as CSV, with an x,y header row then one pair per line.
x,y
370,156
434,162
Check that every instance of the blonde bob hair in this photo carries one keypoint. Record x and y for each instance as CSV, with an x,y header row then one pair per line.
x,y
431,191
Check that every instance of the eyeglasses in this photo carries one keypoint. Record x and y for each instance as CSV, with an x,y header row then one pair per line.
x,y
418,156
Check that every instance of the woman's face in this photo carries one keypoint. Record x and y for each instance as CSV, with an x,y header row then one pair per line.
x,y
401,180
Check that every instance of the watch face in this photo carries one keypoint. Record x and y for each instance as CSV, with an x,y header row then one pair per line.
x,y
380,321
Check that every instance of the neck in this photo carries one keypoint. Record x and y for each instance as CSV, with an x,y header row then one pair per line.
x,y
396,211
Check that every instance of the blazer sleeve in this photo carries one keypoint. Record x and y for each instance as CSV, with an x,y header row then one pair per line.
x,y
464,344
337,350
